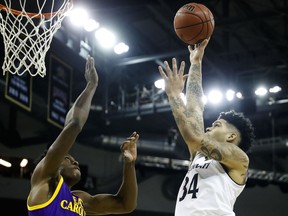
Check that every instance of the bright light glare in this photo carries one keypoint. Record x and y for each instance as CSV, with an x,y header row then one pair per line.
x,y
275,89
5,163
261,91
24,162
160,84
91,25
239,95
121,48
105,37
230,94
204,100
183,97
78,16
215,96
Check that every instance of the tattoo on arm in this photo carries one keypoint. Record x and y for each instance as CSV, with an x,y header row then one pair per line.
x,y
176,103
227,154
195,84
211,152
185,118
195,88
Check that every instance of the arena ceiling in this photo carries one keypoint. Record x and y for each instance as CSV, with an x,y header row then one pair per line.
x,y
247,49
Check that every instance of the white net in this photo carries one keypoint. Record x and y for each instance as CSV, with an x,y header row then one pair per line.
x,y
27,35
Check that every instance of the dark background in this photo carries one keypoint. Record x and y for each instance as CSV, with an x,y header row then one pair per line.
x,y
248,48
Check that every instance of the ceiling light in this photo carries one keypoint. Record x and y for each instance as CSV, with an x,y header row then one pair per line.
x,y
5,163
24,162
275,89
261,91
239,95
160,84
78,16
215,96
91,25
121,48
105,37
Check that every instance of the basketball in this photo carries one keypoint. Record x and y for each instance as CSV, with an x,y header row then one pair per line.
x,y
193,23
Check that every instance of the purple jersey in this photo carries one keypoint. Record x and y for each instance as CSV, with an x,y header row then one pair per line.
x,y
62,203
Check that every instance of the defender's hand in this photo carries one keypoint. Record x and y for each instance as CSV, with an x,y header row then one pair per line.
x,y
90,71
129,147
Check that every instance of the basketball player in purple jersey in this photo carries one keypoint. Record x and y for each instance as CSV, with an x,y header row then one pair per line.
x,y
219,163
58,172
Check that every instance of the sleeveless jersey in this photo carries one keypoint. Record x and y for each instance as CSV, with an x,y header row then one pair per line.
x,y
207,190
62,203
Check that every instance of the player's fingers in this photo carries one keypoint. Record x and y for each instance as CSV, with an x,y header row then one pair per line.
x,y
194,46
128,140
92,62
136,138
185,77
168,69
204,43
133,134
87,64
132,139
127,145
162,73
182,67
174,66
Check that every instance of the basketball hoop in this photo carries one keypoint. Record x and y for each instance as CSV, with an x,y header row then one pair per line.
x,y
27,34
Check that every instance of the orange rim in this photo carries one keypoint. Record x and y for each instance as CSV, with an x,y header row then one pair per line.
x,y
35,15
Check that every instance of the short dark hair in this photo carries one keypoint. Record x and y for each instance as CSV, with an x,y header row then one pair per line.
x,y
244,126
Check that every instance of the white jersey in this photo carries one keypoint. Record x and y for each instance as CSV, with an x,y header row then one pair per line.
x,y
207,190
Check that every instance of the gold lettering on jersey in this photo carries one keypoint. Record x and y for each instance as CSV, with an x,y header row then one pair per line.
x,y
75,206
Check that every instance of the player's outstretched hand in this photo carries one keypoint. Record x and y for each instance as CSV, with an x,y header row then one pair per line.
x,y
90,71
129,147
197,51
173,77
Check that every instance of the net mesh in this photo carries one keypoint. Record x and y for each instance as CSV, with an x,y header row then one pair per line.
x,y
27,35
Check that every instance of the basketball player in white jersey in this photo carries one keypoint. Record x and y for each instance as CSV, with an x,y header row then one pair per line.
x,y
219,163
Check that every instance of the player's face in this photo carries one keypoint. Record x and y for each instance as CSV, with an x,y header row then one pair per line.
x,y
70,168
218,130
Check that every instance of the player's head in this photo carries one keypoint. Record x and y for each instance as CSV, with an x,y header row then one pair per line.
x,y
69,168
242,125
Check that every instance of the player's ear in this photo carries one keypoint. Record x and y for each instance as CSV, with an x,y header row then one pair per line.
x,y
231,137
